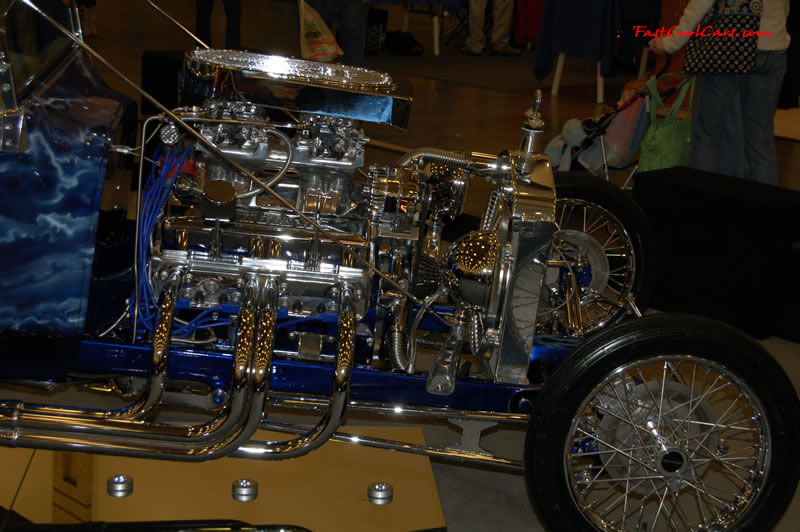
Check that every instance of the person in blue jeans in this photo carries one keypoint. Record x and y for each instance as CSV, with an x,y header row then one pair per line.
x,y
233,22
350,17
732,117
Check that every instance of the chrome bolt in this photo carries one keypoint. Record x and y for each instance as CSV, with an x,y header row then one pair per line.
x,y
722,447
244,490
119,486
219,396
380,493
583,476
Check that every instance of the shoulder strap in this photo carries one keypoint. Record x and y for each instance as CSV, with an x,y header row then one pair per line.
x,y
657,102
685,88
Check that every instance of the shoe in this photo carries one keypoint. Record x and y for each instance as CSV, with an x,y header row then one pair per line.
x,y
505,51
473,53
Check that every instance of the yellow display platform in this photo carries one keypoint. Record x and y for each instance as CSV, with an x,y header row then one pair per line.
x,y
325,490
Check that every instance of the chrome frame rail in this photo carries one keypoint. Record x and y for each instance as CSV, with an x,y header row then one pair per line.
x,y
456,455
316,403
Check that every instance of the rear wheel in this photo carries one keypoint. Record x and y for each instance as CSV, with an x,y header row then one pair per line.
x,y
607,243
663,423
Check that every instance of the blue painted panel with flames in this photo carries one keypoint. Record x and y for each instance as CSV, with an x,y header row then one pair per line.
x,y
49,202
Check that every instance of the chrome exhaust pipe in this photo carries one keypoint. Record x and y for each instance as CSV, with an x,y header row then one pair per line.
x,y
30,427
150,398
340,396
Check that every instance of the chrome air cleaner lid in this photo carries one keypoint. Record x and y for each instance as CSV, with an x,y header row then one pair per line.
x,y
295,85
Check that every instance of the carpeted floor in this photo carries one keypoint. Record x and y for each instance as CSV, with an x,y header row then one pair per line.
x,y
506,74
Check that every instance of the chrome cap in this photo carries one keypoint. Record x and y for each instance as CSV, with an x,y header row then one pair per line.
x,y
119,486
244,490
380,493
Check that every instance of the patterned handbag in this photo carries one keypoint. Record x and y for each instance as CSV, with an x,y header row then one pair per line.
x,y
726,41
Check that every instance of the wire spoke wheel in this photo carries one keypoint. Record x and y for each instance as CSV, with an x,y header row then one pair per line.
x,y
667,443
600,254
605,243
668,422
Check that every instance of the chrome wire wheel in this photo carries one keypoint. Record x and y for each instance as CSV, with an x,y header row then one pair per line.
x,y
667,443
666,422
601,254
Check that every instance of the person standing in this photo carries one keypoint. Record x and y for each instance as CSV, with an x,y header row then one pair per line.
x,y
502,12
732,117
350,17
233,22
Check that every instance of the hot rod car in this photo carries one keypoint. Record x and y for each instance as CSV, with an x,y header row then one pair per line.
x,y
263,268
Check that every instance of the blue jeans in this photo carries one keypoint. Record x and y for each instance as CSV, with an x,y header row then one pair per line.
x,y
233,22
732,121
350,17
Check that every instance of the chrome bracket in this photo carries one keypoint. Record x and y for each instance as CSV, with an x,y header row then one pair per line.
x,y
442,375
471,432
630,299
12,120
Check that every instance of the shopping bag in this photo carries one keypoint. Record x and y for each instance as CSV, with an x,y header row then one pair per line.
x,y
623,139
317,42
666,143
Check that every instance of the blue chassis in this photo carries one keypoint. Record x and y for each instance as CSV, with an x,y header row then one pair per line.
x,y
369,384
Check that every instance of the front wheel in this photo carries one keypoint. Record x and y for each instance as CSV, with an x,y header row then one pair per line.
x,y
670,422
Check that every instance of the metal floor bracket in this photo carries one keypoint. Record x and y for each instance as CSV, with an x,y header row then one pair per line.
x,y
471,432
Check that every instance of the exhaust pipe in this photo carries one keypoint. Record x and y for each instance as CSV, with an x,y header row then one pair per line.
x,y
340,396
54,428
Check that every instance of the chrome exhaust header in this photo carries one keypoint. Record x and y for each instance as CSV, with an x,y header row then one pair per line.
x,y
340,396
111,433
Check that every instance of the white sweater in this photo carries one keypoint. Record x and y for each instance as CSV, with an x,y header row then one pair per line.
x,y
773,20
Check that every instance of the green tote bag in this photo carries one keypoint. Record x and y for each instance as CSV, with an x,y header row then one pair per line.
x,y
666,143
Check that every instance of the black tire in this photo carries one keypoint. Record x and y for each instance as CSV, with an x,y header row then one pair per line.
x,y
589,439
617,272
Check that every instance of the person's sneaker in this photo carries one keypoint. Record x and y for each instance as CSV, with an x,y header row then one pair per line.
x,y
505,50
470,51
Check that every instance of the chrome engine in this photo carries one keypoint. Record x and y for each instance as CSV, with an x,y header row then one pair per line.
x,y
272,190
